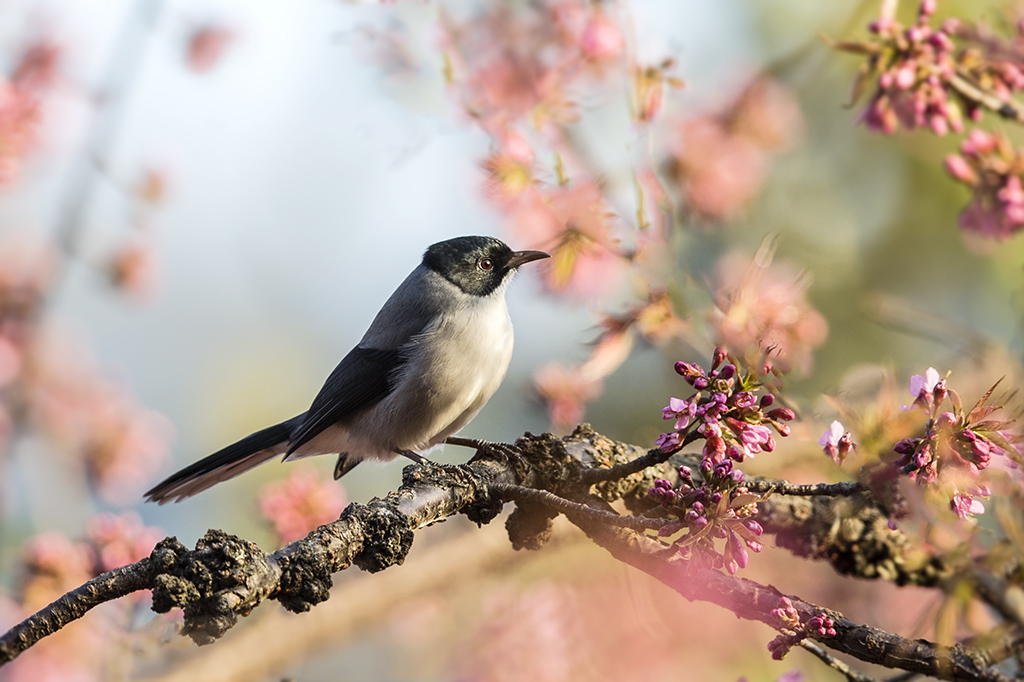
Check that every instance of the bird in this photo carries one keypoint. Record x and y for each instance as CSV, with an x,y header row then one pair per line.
x,y
430,360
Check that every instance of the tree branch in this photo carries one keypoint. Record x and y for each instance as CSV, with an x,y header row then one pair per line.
x,y
752,601
225,577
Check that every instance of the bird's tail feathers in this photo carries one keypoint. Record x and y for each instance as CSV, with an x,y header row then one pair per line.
x,y
251,451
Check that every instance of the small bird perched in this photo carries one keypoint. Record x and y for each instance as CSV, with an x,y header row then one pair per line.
x,y
434,355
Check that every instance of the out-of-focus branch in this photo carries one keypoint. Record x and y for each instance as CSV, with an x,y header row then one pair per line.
x,y
121,72
1009,109
753,601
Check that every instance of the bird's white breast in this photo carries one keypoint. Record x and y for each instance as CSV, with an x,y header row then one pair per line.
x,y
453,369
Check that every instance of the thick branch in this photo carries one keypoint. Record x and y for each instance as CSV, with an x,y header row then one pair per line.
x,y
224,576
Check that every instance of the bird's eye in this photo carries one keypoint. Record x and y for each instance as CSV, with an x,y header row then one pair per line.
x,y
486,264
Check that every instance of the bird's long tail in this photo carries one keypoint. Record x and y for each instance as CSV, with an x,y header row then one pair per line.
x,y
251,451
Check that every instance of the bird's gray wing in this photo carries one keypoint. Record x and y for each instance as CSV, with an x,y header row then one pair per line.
x,y
369,373
363,378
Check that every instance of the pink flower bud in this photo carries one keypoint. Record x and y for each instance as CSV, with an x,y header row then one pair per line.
x,y
978,143
905,77
958,167
782,414
927,8
601,38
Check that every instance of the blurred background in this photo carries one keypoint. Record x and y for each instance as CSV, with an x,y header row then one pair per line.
x,y
205,203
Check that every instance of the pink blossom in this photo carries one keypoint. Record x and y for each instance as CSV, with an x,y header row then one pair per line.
x,y
601,39
119,444
958,167
759,305
923,389
566,392
572,224
965,505
206,47
20,117
837,442
832,434
133,267
680,410
300,503
721,160
120,539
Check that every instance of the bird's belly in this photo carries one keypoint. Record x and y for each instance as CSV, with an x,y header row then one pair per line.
x,y
446,385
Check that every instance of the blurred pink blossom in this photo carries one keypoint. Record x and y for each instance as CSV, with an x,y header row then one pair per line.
x,y
20,116
206,47
760,306
39,65
53,565
120,539
991,167
965,505
721,160
602,39
301,502
133,266
509,167
119,443
566,391
572,224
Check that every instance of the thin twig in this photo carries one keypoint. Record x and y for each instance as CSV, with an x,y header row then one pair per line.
x,y
569,508
652,458
1009,109
834,663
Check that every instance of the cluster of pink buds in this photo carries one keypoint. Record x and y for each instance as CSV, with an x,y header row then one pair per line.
x,y
914,67
819,625
992,167
725,411
717,508
960,440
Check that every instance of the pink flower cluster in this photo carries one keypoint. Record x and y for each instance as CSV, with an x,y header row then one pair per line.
x,y
721,160
54,564
300,503
51,565
717,508
956,445
573,223
118,443
914,67
992,167
794,631
725,411
761,306
21,108
512,64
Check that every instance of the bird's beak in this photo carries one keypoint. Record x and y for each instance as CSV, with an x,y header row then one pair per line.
x,y
522,257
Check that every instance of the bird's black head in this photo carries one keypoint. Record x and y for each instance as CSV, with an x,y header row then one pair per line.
x,y
477,265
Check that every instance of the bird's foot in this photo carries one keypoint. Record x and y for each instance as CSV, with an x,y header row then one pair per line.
x,y
485,447
414,456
